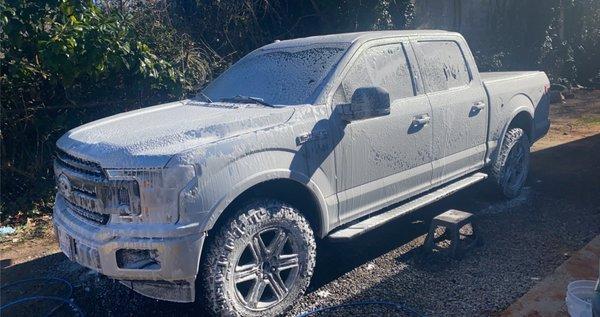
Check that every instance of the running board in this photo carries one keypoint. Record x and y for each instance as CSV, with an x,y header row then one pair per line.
x,y
371,223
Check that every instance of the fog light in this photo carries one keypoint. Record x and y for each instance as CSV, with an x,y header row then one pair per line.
x,y
137,259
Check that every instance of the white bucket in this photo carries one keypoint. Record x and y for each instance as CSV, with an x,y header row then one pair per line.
x,y
579,298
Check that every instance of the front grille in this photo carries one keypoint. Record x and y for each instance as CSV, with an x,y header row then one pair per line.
x,y
90,194
89,178
88,214
77,164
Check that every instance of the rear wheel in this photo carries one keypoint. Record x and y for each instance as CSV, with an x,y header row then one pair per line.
x,y
509,170
260,261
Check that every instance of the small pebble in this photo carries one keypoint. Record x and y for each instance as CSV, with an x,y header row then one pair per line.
x,y
323,293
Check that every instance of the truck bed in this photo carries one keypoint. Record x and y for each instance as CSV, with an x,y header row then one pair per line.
x,y
508,91
489,77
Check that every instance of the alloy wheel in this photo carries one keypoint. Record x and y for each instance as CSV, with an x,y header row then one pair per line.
x,y
266,269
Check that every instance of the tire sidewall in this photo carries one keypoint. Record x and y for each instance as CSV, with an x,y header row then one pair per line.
x,y
231,241
515,137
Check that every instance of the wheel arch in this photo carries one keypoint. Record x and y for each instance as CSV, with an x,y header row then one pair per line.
x,y
521,116
523,120
297,191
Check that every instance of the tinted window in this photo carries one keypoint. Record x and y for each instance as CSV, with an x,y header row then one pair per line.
x,y
383,66
443,65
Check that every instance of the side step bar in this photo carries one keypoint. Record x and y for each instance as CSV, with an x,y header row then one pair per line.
x,y
371,223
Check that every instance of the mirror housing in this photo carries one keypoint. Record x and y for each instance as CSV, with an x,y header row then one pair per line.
x,y
367,102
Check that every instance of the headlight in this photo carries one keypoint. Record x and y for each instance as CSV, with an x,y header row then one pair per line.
x,y
158,192
121,197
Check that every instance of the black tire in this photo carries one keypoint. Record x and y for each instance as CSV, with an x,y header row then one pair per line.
x,y
511,166
248,243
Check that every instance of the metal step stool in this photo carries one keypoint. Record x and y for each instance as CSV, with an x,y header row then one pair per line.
x,y
452,221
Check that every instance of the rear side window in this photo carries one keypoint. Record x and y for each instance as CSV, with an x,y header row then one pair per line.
x,y
384,66
443,65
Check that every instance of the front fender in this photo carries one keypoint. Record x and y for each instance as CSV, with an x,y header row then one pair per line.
x,y
206,200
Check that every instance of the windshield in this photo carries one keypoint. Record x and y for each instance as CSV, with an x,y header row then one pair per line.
x,y
278,77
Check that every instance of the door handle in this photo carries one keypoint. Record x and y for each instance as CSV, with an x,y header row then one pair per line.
x,y
421,119
478,105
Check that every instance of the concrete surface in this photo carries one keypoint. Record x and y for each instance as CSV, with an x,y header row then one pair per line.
x,y
547,298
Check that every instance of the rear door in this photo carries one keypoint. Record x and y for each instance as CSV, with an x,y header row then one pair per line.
x,y
458,100
384,159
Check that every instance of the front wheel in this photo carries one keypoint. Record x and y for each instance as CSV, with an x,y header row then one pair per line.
x,y
260,262
509,170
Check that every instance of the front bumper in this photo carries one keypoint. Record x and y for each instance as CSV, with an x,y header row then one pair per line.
x,y
176,249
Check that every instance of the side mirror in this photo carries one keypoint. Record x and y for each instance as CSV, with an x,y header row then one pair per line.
x,y
367,102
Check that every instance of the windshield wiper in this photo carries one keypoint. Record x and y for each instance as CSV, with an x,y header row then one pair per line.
x,y
205,97
248,99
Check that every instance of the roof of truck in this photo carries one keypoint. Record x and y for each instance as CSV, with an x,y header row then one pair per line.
x,y
349,38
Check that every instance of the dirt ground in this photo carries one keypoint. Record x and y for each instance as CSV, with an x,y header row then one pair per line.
x,y
525,239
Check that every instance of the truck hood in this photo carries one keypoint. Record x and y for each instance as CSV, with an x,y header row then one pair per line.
x,y
149,137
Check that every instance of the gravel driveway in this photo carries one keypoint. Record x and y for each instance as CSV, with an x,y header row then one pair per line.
x,y
524,240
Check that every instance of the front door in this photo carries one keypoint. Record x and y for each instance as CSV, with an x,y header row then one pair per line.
x,y
460,113
385,159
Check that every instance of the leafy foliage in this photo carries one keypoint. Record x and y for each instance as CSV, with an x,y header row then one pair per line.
x,y
65,63
561,37
571,49
557,54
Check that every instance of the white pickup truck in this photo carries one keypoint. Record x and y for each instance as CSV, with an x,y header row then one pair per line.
x,y
298,141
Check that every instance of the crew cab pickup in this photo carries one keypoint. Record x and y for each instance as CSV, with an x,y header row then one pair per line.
x,y
298,141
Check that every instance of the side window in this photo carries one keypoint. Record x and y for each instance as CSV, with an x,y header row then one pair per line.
x,y
443,65
355,78
383,66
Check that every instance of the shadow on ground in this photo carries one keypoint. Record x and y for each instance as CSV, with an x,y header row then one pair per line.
x,y
525,239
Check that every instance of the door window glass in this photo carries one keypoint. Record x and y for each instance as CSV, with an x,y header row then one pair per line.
x,y
443,65
384,66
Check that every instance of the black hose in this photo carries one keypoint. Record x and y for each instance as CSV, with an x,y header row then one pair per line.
x,y
398,306
63,300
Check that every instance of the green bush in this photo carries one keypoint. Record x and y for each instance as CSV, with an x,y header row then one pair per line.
x,y
64,63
